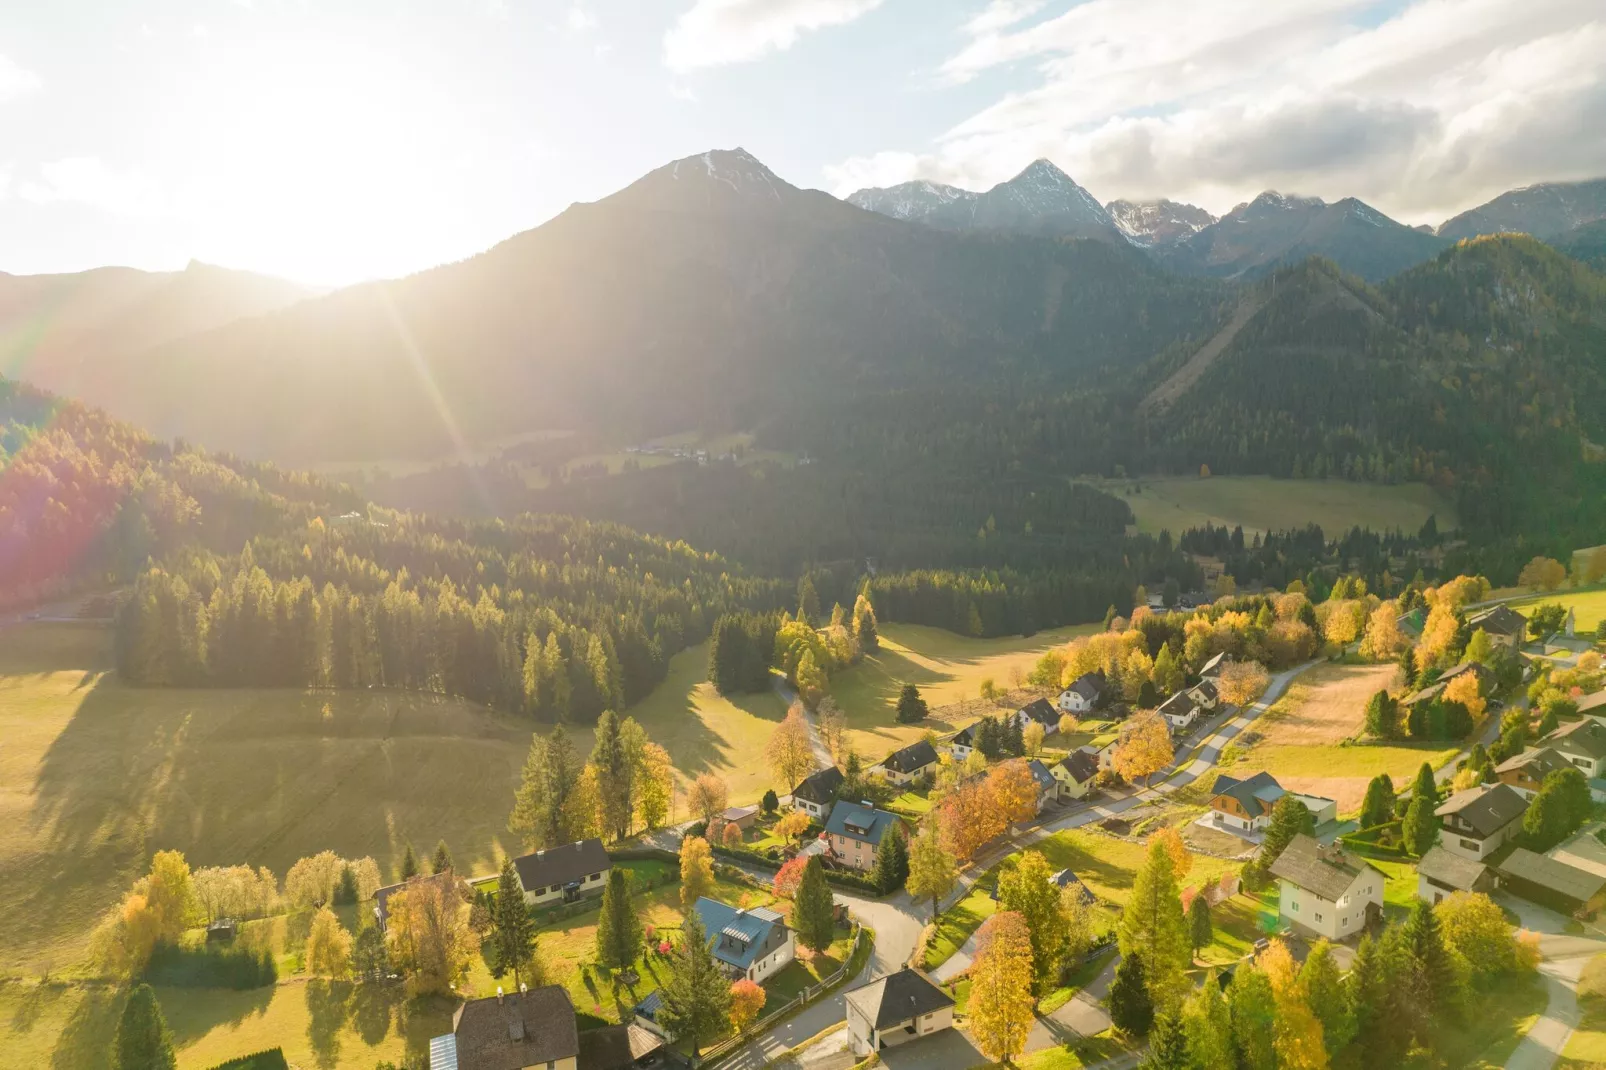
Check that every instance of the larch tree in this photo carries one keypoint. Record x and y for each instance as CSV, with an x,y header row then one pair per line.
x,y
551,772
655,788
1207,1021
1254,1018
1322,986
932,871
697,997
1013,791
142,1041
619,923
696,872
1028,890
1168,1045
708,797
813,915
864,625
1181,857
1144,748
1001,987
1152,924
790,751
811,679
1298,1036
328,952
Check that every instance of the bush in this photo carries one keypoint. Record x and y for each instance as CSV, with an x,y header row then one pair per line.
x,y
210,967
272,1059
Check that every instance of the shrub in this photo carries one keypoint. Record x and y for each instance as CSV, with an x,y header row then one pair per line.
x,y
271,1059
209,966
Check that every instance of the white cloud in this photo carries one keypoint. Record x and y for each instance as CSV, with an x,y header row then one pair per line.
x,y
16,81
718,32
87,180
579,19
1441,105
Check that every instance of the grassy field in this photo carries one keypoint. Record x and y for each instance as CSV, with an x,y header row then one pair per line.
x,y
947,668
1261,503
1341,773
1587,1046
1590,605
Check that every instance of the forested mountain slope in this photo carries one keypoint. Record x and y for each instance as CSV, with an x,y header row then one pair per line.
x,y
708,293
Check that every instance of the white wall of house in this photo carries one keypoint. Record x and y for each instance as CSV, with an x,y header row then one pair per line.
x,y
1471,846
775,960
592,884
959,751
1336,921
1072,702
1322,810
813,809
866,1039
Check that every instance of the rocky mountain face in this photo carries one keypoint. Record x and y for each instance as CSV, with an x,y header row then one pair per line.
x,y
1041,200
1547,210
1276,229
1158,224
932,203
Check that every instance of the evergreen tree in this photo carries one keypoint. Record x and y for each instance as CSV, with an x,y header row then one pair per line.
x,y
512,935
1408,666
1367,998
346,890
808,602
1421,827
932,873
1152,925
409,866
1435,973
1378,806
891,866
1383,716
1289,818
697,997
143,1041
1561,805
1207,1020
770,802
370,960
1014,737
611,762
442,860
1322,986
1200,930
989,738
1131,1010
1168,1045
911,707
1254,1017
813,910
864,625
1029,890
619,924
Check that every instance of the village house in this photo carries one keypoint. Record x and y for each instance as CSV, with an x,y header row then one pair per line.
x,y
1476,822
1211,670
1326,890
1206,694
1047,784
1442,873
1247,804
817,792
905,766
1084,694
1583,743
1181,710
963,742
751,944
1076,773
1593,705
1503,625
1552,883
382,896
537,1028
563,874
1066,878
1525,772
854,831
1435,689
1102,748
895,1009
1042,712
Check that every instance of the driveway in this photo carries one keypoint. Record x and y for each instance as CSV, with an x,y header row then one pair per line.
x,y
1562,960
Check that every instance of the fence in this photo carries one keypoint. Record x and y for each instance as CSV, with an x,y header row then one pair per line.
x,y
728,1047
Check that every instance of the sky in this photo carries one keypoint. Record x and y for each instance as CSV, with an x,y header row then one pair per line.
x,y
330,141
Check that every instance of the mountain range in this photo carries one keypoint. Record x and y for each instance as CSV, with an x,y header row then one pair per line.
x,y
1041,200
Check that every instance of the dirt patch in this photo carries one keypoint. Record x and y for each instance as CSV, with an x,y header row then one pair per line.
x,y
1347,791
1211,841
1325,705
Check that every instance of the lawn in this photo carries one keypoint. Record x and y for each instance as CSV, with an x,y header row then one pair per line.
x,y
1084,1052
955,924
807,970
1262,503
1590,606
947,668
1493,1025
1337,772
1587,1046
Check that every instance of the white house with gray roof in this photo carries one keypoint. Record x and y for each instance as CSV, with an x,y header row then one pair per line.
x,y
896,1009
1476,822
1326,890
751,944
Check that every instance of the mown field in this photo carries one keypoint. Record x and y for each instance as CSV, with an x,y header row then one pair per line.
x,y
1589,605
1261,503
947,668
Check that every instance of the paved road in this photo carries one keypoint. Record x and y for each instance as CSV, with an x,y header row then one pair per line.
x,y
1563,957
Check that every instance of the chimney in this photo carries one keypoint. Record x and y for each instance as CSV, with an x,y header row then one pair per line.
x,y
499,994
523,988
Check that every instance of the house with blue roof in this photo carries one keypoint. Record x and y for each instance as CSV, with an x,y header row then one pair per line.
x,y
751,944
1047,787
854,831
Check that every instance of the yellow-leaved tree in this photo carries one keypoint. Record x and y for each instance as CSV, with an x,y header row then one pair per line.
x,y
708,797
429,937
1465,690
1013,790
1298,1032
790,752
1144,748
328,946
1001,987
1383,639
1242,682
696,871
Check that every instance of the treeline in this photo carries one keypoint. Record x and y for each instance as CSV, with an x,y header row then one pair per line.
x,y
557,618
1384,561
741,651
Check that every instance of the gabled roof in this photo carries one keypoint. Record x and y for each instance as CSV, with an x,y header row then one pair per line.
x,y
1067,879
1206,690
913,758
1257,795
1040,710
898,997
965,737
1575,883
1436,688
1585,738
1182,704
1540,762
859,821
1326,871
562,865
1591,703
819,787
1487,808
1045,779
738,813
746,930
517,1030
1499,620
1214,666
1082,766
1451,870
616,1047
1090,685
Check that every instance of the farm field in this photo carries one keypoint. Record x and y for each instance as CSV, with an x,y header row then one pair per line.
x,y
1262,503
947,668
1300,739
1589,605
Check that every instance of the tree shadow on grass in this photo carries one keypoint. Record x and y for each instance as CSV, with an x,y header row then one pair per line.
x,y
422,1019
85,1041
192,1013
372,1007
328,1008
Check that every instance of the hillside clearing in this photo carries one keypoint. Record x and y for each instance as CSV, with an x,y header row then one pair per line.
x,y
1262,503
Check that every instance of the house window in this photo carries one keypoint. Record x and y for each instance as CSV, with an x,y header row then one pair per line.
x,y
1471,845
1318,918
1343,923
1294,906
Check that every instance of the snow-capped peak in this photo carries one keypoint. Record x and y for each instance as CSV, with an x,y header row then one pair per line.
x,y
736,168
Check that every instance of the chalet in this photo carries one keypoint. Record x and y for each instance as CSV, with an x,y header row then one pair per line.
x,y
1075,773
1503,625
1442,873
1206,694
1181,710
963,743
1435,689
751,944
1583,743
538,1028
1247,804
443,879
909,764
1042,712
1479,820
1211,670
563,874
817,792
1525,772
854,831
1326,890
895,1009
1084,694
1048,785
1551,883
